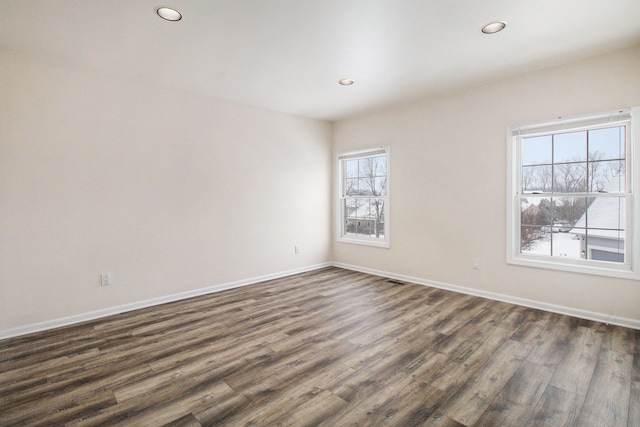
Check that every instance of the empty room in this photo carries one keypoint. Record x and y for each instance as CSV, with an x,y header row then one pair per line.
x,y
301,213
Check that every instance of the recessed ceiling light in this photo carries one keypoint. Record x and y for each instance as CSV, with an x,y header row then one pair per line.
x,y
346,82
494,27
168,13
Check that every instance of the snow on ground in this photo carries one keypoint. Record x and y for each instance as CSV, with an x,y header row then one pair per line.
x,y
564,244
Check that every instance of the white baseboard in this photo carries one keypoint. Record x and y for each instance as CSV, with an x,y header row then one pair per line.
x,y
70,320
569,311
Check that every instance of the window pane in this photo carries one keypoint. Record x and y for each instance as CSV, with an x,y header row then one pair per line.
x,y
565,244
364,186
351,168
535,218
604,245
373,166
535,240
602,229
607,143
380,187
546,224
608,175
351,207
606,214
556,241
364,217
366,177
351,187
536,178
565,237
352,210
570,177
536,150
568,211
379,165
570,147
536,211
375,217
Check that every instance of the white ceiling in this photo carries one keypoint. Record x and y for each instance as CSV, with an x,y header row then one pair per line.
x,y
288,55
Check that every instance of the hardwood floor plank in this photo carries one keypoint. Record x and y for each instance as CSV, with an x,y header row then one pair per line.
x,y
316,409
618,339
459,314
391,409
54,397
166,404
297,403
512,406
634,398
188,420
36,350
329,347
575,370
553,347
470,401
494,316
157,381
284,371
75,408
536,324
607,402
634,407
473,354
218,412
440,420
557,407
400,399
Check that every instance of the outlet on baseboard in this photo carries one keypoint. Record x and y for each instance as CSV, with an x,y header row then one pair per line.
x,y
105,279
297,249
475,263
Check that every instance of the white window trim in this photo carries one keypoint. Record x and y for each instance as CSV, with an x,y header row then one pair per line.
x,y
632,253
362,240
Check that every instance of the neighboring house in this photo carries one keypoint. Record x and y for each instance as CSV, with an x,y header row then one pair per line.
x,y
603,239
537,215
361,219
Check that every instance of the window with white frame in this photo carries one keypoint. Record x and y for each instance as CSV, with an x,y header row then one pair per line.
x,y
364,197
571,202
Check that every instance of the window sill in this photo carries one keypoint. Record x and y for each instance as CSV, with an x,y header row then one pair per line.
x,y
364,242
622,272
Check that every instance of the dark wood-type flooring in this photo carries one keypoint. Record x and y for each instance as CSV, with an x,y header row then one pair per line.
x,y
331,347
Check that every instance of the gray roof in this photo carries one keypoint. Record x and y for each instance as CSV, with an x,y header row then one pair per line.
x,y
605,212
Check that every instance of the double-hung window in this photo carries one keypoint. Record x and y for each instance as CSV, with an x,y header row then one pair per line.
x,y
572,202
363,213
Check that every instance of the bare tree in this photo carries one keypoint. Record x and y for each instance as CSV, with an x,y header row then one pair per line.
x,y
374,177
370,180
537,178
572,176
597,174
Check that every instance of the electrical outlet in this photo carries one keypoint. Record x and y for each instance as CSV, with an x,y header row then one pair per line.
x,y
475,263
297,249
105,279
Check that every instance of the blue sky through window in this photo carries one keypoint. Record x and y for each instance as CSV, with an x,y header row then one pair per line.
x,y
608,143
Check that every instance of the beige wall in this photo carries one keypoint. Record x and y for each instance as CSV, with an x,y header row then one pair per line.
x,y
171,191
167,190
448,183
